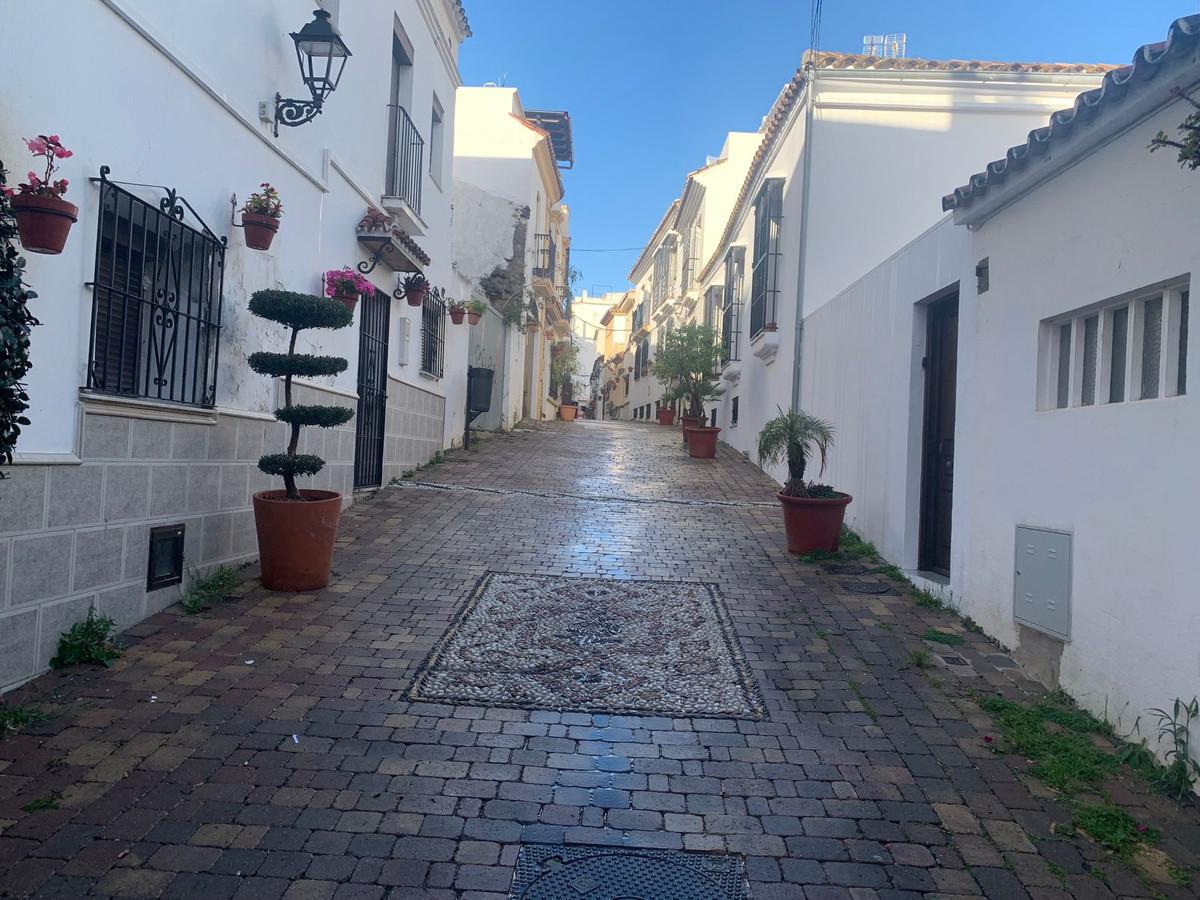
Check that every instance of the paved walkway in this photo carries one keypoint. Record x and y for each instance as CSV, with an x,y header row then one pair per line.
x,y
269,749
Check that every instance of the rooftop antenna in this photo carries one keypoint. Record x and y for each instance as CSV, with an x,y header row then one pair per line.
x,y
885,46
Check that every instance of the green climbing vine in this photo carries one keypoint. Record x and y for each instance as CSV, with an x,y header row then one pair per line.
x,y
16,323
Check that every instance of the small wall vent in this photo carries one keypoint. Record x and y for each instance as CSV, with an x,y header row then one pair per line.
x,y
165,566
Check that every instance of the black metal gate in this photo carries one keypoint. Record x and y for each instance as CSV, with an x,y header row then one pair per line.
x,y
372,390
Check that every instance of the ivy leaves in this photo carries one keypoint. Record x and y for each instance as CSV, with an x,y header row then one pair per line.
x,y
16,324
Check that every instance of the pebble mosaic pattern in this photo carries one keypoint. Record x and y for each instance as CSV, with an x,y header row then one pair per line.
x,y
592,645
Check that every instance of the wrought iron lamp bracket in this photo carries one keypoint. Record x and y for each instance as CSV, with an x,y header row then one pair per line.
x,y
291,112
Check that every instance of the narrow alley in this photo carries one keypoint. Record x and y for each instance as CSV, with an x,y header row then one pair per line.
x,y
568,638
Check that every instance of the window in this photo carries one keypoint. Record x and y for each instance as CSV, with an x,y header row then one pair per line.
x,y
436,138
405,147
156,301
690,252
735,261
433,333
712,303
768,213
733,412
662,285
1131,349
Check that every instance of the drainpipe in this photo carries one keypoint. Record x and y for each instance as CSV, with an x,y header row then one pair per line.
x,y
801,268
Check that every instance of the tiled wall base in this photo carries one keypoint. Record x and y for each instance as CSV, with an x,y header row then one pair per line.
x,y
413,428
73,536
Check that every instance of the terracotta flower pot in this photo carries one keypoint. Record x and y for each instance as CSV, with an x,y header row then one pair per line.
x,y
347,299
688,422
43,222
259,230
702,442
456,315
295,538
568,411
473,317
531,327
414,298
813,524
666,416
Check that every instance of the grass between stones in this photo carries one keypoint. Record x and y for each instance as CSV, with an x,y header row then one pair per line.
x,y
205,591
14,719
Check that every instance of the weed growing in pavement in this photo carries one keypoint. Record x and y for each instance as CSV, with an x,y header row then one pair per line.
x,y
864,702
89,641
207,590
48,802
14,718
921,658
1113,828
1175,727
943,637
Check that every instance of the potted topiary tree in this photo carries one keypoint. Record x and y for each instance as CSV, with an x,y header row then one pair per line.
x,y
812,513
688,364
296,528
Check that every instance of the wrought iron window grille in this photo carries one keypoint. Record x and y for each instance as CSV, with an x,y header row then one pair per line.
x,y
406,150
764,290
433,332
735,262
156,298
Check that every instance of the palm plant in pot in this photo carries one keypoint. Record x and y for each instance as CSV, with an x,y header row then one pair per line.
x,y
688,364
296,528
812,513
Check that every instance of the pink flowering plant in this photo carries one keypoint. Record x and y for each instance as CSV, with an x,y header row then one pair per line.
x,y
345,281
264,202
49,147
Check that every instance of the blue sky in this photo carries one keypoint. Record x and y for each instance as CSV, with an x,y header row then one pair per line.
x,y
653,86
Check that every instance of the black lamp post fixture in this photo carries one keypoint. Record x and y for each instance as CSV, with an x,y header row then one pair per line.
x,y
321,54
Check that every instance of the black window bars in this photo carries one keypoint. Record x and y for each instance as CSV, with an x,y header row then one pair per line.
x,y
156,299
735,262
433,332
768,214
405,151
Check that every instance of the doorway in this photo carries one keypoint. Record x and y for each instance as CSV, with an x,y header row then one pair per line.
x,y
937,471
372,390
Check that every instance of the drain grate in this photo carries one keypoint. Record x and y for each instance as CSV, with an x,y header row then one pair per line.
x,y
550,872
954,661
866,587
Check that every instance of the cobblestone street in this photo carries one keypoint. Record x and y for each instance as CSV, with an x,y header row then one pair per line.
x,y
277,746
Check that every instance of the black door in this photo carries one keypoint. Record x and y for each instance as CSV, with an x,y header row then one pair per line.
x,y
937,485
372,390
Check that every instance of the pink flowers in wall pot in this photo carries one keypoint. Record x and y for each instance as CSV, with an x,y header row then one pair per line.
x,y
44,218
346,286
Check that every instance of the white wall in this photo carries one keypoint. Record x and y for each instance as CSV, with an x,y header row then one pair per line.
x,y
862,371
1121,477
171,98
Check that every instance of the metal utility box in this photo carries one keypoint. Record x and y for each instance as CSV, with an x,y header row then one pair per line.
x,y
479,389
1042,580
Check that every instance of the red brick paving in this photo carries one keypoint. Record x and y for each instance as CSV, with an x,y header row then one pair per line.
x,y
205,792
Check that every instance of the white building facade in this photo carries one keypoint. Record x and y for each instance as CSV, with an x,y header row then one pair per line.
x,y
512,242
138,424
1011,390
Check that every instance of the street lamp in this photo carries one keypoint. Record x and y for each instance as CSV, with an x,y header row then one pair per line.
x,y
321,54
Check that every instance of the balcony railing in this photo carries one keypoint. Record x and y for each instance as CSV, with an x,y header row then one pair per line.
x,y
543,256
405,155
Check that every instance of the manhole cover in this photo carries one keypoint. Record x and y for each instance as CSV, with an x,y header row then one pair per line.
x,y
954,661
865,587
846,569
547,872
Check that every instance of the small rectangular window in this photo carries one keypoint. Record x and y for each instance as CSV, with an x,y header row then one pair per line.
x,y
1116,369
733,412
1151,346
1064,366
1091,332
1181,373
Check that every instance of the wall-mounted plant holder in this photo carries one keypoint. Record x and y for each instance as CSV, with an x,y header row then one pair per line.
x,y
258,229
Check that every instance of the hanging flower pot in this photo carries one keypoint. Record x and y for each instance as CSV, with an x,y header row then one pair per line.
x,y
475,311
259,230
43,222
44,218
531,327
415,288
346,286
260,217
457,311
